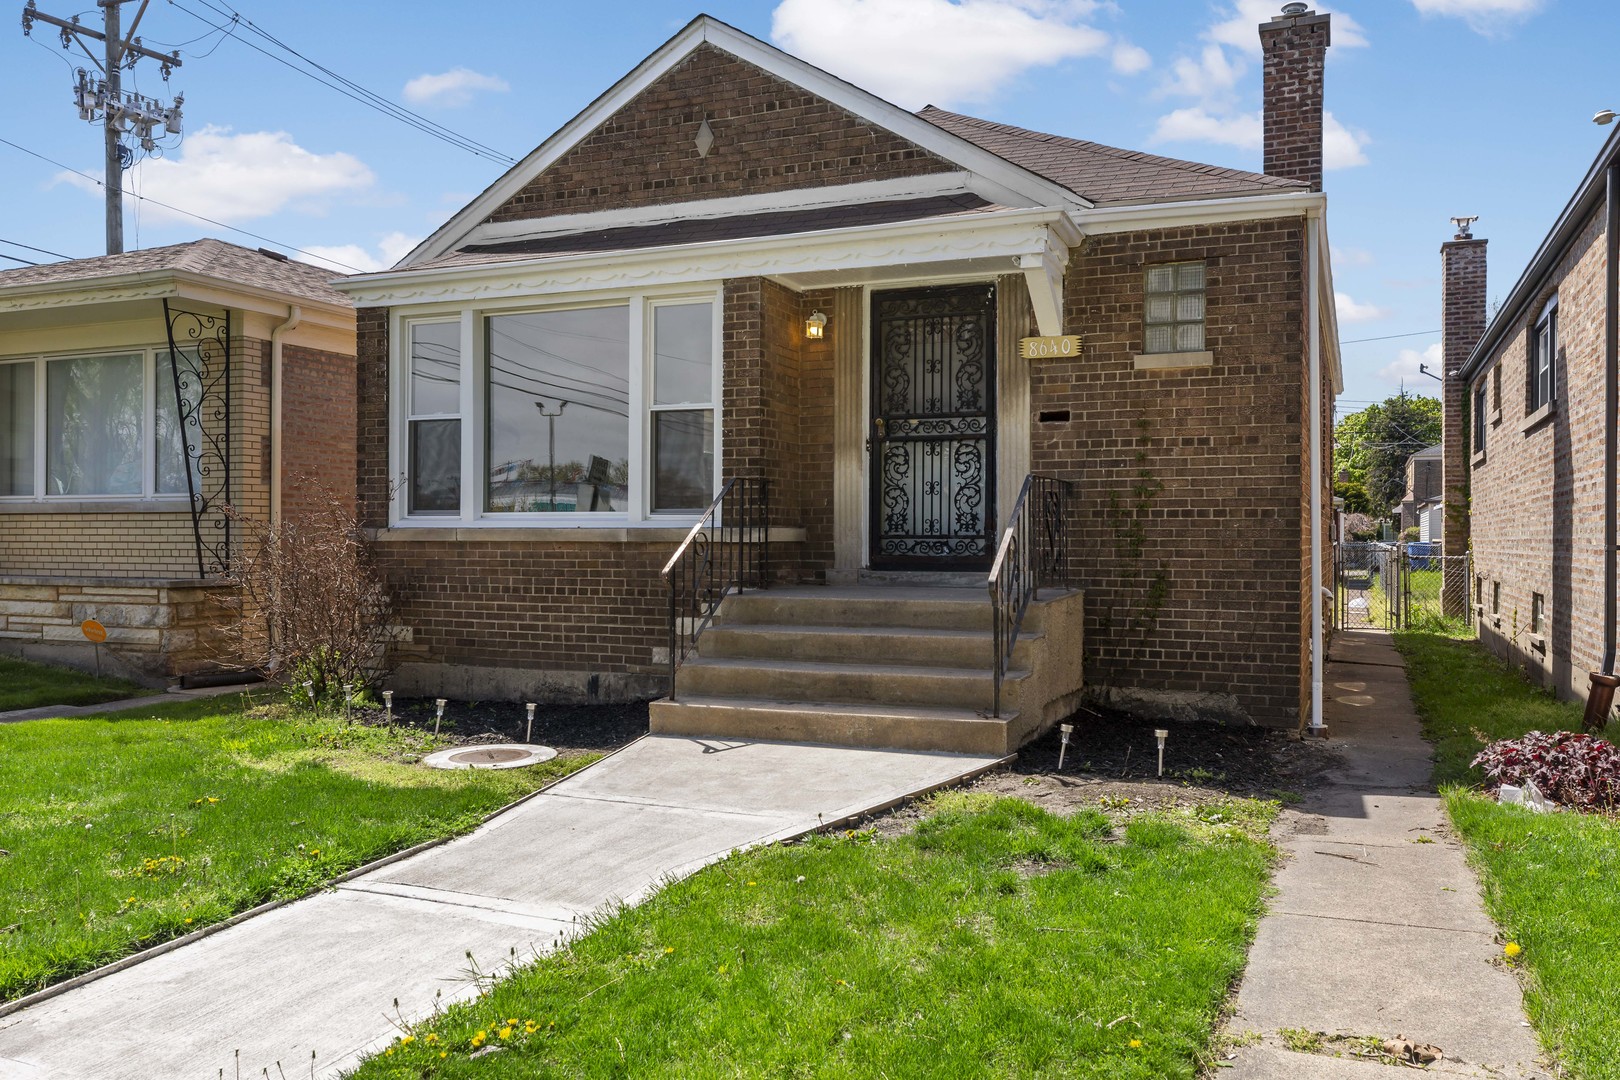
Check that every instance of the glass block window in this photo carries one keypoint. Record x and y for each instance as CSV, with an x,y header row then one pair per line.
x,y
1174,317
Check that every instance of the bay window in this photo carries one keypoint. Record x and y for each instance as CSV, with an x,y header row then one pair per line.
x,y
603,408
94,426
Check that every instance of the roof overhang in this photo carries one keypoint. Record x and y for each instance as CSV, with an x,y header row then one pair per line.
x,y
995,171
1215,211
117,293
1033,242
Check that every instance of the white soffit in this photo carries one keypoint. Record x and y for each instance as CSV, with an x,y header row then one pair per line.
x,y
994,170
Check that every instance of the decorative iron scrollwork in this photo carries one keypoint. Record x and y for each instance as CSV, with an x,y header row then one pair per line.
x,y
199,361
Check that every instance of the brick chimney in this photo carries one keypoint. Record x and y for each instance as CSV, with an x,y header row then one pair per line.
x,y
1295,45
1462,322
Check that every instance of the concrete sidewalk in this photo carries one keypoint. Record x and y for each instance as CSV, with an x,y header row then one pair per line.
x,y
322,975
169,697
1377,928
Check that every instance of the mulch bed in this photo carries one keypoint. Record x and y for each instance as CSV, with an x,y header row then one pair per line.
x,y
565,728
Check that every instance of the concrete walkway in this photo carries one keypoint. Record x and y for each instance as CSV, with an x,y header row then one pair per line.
x,y
1377,928
52,712
322,975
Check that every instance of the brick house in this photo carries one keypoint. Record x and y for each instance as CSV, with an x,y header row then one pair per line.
x,y
728,266
1530,431
1418,504
116,462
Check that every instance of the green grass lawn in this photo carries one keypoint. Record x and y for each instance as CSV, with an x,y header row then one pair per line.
x,y
997,940
1549,879
123,830
25,685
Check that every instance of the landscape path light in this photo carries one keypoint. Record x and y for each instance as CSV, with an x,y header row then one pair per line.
x,y
1064,730
309,689
528,732
1161,734
438,704
388,707
348,696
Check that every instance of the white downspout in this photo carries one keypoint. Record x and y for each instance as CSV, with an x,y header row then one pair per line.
x,y
1313,242
295,315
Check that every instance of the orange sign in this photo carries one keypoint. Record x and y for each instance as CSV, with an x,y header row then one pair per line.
x,y
94,630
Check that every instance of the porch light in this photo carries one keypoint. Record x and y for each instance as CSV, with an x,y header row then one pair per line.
x,y
815,327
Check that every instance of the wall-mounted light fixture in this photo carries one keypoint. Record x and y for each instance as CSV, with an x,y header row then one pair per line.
x,y
815,327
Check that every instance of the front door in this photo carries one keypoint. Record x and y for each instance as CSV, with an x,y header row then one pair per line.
x,y
933,428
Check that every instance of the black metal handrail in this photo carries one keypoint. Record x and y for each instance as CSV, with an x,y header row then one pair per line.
x,y
727,551
1034,551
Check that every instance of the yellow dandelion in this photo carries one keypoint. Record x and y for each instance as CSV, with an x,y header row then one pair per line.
x,y
444,1053
753,883
505,1033
131,900
512,1022
430,1038
390,1052
406,1040
669,949
1511,950
530,1027
1136,1044
188,922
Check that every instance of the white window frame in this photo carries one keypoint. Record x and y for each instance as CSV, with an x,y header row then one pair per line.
x,y
148,438
412,416
474,414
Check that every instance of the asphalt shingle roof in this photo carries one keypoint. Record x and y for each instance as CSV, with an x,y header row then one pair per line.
x,y
1106,174
208,257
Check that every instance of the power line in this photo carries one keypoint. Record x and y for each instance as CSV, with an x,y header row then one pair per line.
x,y
178,210
1387,337
30,247
14,259
345,86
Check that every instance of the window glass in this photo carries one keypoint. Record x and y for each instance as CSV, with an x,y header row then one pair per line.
x,y
435,369
683,459
171,441
1173,311
17,429
93,438
683,357
435,466
1543,354
559,411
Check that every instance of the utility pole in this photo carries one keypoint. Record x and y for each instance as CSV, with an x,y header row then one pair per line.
x,y
104,98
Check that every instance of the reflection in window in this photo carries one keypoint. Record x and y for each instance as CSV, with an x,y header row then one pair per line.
x,y
559,411
435,424
170,436
93,437
683,407
17,429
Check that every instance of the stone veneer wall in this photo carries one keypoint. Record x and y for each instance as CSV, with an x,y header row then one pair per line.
x,y
154,629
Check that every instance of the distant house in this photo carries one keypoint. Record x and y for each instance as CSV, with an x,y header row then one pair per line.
x,y
1529,434
1418,505
733,267
140,394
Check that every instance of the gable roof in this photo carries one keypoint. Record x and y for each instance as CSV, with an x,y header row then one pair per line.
x,y
1106,174
216,259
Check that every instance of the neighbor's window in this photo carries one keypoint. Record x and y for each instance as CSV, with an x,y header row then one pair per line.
x,y
1479,419
559,410
1496,598
1496,387
1174,317
1538,613
434,421
1543,354
111,429
1479,590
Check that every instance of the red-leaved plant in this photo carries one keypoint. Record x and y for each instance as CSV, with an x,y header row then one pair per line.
x,y
1574,769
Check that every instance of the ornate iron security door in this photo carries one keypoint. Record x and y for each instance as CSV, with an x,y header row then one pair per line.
x,y
933,428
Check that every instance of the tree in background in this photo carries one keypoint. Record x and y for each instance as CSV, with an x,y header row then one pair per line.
x,y
1371,447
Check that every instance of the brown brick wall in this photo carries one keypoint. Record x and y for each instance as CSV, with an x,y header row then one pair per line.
x,y
768,136
1537,496
1190,483
1462,315
816,403
318,426
371,416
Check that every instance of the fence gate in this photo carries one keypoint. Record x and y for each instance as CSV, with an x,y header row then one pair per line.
x,y
1400,586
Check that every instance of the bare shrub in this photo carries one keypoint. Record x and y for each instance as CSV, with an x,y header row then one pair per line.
x,y
313,607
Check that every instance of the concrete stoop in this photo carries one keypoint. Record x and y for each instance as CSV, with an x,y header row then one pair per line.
x,y
876,665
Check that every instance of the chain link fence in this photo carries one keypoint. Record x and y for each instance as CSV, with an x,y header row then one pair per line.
x,y
1401,586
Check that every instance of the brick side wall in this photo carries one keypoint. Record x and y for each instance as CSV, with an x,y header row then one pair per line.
x,y
318,426
1295,52
1537,497
1462,314
1190,483
768,136
371,416
815,481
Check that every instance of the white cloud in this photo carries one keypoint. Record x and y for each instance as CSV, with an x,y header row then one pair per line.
x,y
944,52
1349,256
452,88
1341,147
352,258
1482,16
1404,369
1355,311
1131,59
1241,26
235,178
1208,78
1195,124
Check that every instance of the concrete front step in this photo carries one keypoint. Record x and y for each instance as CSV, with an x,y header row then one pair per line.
x,y
901,727
902,645
934,608
881,684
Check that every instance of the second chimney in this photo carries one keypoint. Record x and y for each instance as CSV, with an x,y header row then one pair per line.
x,y
1295,46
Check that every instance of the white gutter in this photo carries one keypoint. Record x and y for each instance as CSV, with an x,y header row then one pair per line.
x,y
1313,241
295,315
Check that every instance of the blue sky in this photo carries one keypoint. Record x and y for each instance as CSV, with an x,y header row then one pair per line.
x,y
1439,107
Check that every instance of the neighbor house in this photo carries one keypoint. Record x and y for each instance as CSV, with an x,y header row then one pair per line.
x,y
1530,417
1420,506
734,272
140,395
